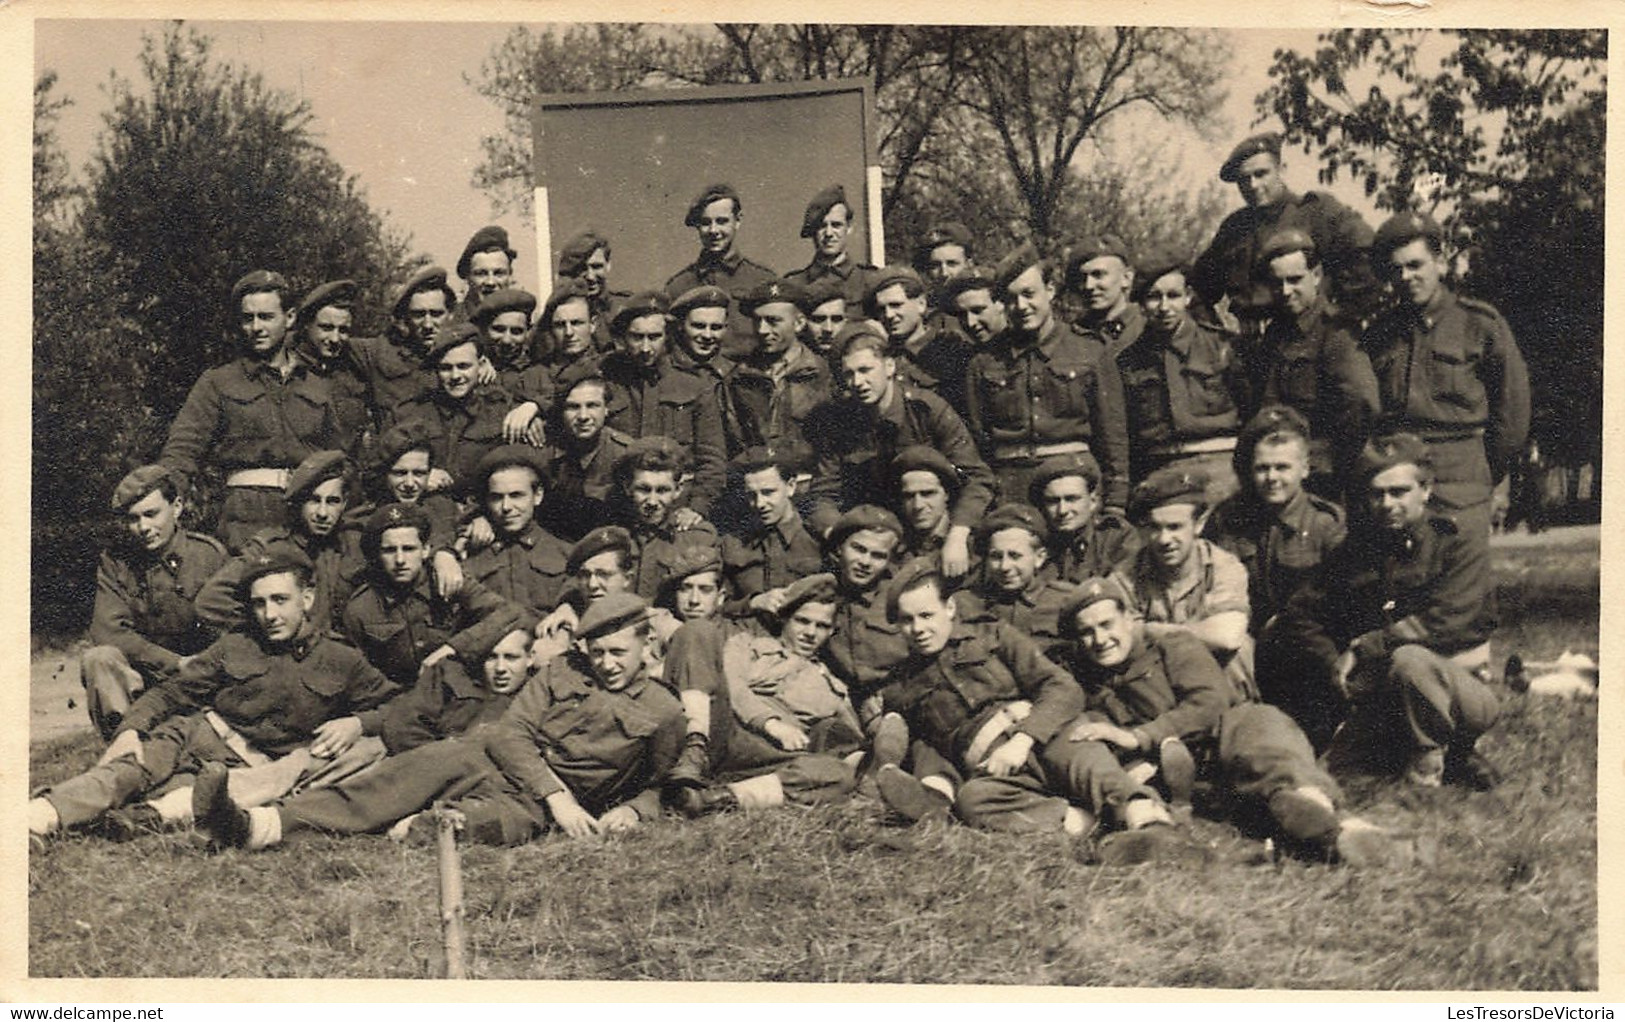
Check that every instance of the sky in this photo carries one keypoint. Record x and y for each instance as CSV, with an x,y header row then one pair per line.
x,y
393,102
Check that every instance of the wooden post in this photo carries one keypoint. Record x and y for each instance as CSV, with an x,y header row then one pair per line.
x,y
451,892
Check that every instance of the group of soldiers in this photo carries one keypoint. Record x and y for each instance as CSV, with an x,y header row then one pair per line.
x,y
1027,543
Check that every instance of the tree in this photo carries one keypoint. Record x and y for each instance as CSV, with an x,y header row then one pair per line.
x,y
1500,135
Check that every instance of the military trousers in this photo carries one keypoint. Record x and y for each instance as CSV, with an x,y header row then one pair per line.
x,y
1035,798
111,685
1415,701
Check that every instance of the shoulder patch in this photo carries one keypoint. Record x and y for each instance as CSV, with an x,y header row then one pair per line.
x,y
1328,507
1444,525
208,541
1479,306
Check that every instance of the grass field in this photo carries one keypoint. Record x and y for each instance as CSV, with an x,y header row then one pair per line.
x,y
835,894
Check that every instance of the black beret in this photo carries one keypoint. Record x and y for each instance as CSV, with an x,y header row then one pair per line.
x,y
853,329
567,289
706,296
277,558
1268,142
691,560
313,471
1384,452
770,291
1092,248
1172,485
429,278
819,208
788,455
490,238
1401,229
946,232
394,516
705,198
1285,242
924,458
334,292
1155,265
411,435
507,456
575,253
599,540
612,613
824,289
806,589
1273,419
644,303
887,276
974,280
1091,591
1058,466
445,340
508,299
1014,265
1011,516
860,518
256,281
138,484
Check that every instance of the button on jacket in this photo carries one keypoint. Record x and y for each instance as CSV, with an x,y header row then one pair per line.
x,y
145,601
529,569
396,629
244,414
1282,552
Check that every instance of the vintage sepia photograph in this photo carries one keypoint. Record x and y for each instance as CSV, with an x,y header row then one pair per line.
x,y
1038,505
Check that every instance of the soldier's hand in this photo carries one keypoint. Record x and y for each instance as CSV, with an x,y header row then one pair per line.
x,y
1102,731
621,818
768,602
125,743
517,422
484,372
786,735
479,533
335,736
568,814
536,433
559,624
686,518
438,655
448,574
956,552
1009,757
1342,669
439,479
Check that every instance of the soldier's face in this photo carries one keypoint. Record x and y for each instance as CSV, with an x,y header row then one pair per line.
x,y
771,496
826,321
832,231
1105,282
152,520
924,501
585,411
507,667
1398,496
778,324
511,498
617,658
595,273
279,605
808,627
508,334
1294,283
604,575
1105,633
926,620
1013,559
1259,180
1029,300
263,323
400,554
717,226
1170,531
865,555
323,507
456,370
946,262
646,339
426,312
699,596
703,330
1417,272
1068,503
572,328
489,272
409,476
1167,302
1279,469
868,375
981,316
653,494
900,313
328,331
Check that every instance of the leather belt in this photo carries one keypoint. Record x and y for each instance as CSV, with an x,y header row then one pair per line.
x,y
1011,452
260,478
235,741
1211,445
996,727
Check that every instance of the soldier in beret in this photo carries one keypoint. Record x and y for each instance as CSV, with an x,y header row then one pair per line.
x,y
1084,539
255,417
1040,389
1183,385
828,222
145,624
523,562
585,259
861,548
944,253
244,701
931,357
580,458
566,335
1283,535
486,265
826,314
393,364
1228,268
1407,600
322,327
699,318
1448,370
858,436
715,214
693,589
773,390
972,298
924,486
650,479
1100,275
463,417
762,560
1013,543
503,319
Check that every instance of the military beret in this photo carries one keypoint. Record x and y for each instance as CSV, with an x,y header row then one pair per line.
x,y
277,558
654,445
946,232
1384,452
924,458
819,208
975,280
567,289
858,519
1273,419
1401,229
1268,142
788,455
393,516
1014,265
1155,265
1089,592
507,456
706,296
599,540
334,292
825,289
256,281
490,238
610,614
508,299
1011,516
644,303
691,560
313,471
445,340
769,292
806,589
429,278
1092,248
1172,485
848,337
411,435
906,580
575,253
711,194
888,276
138,484
1285,242
1059,466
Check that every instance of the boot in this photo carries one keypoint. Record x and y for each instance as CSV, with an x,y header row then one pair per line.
x,y
705,800
1178,772
693,764
213,810
1466,768
130,822
1305,814
910,798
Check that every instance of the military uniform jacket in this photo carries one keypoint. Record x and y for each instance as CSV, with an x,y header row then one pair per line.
x,y
244,414
657,549
448,701
1447,371
1282,553
1218,585
397,629
529,569
337,559
1189,386
948,698
1104,542
683,406
767,559
349,390
1314,364
770,408
1428,584
1114,333
1340,235
854,278
1169,687
564,732
736,275
1056,389
937,362
864,647
1035,611
604,306
711,373
528,380
460,432
766,680
145,602
579,482
856,447
394,374
274,698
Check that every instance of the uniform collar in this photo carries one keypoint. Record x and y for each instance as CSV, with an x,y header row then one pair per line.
x,y
527,537
730,262
1180,341
1178,589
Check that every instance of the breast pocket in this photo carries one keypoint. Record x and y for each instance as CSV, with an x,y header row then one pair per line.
x,y
1453,374
1146,397
1296,381
1065,390
1207,391
306,407
1003,398
674,417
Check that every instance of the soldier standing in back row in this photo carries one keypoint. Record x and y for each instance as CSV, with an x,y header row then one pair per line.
x,y
584,259
715,214
1100,274
322,339
828,222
